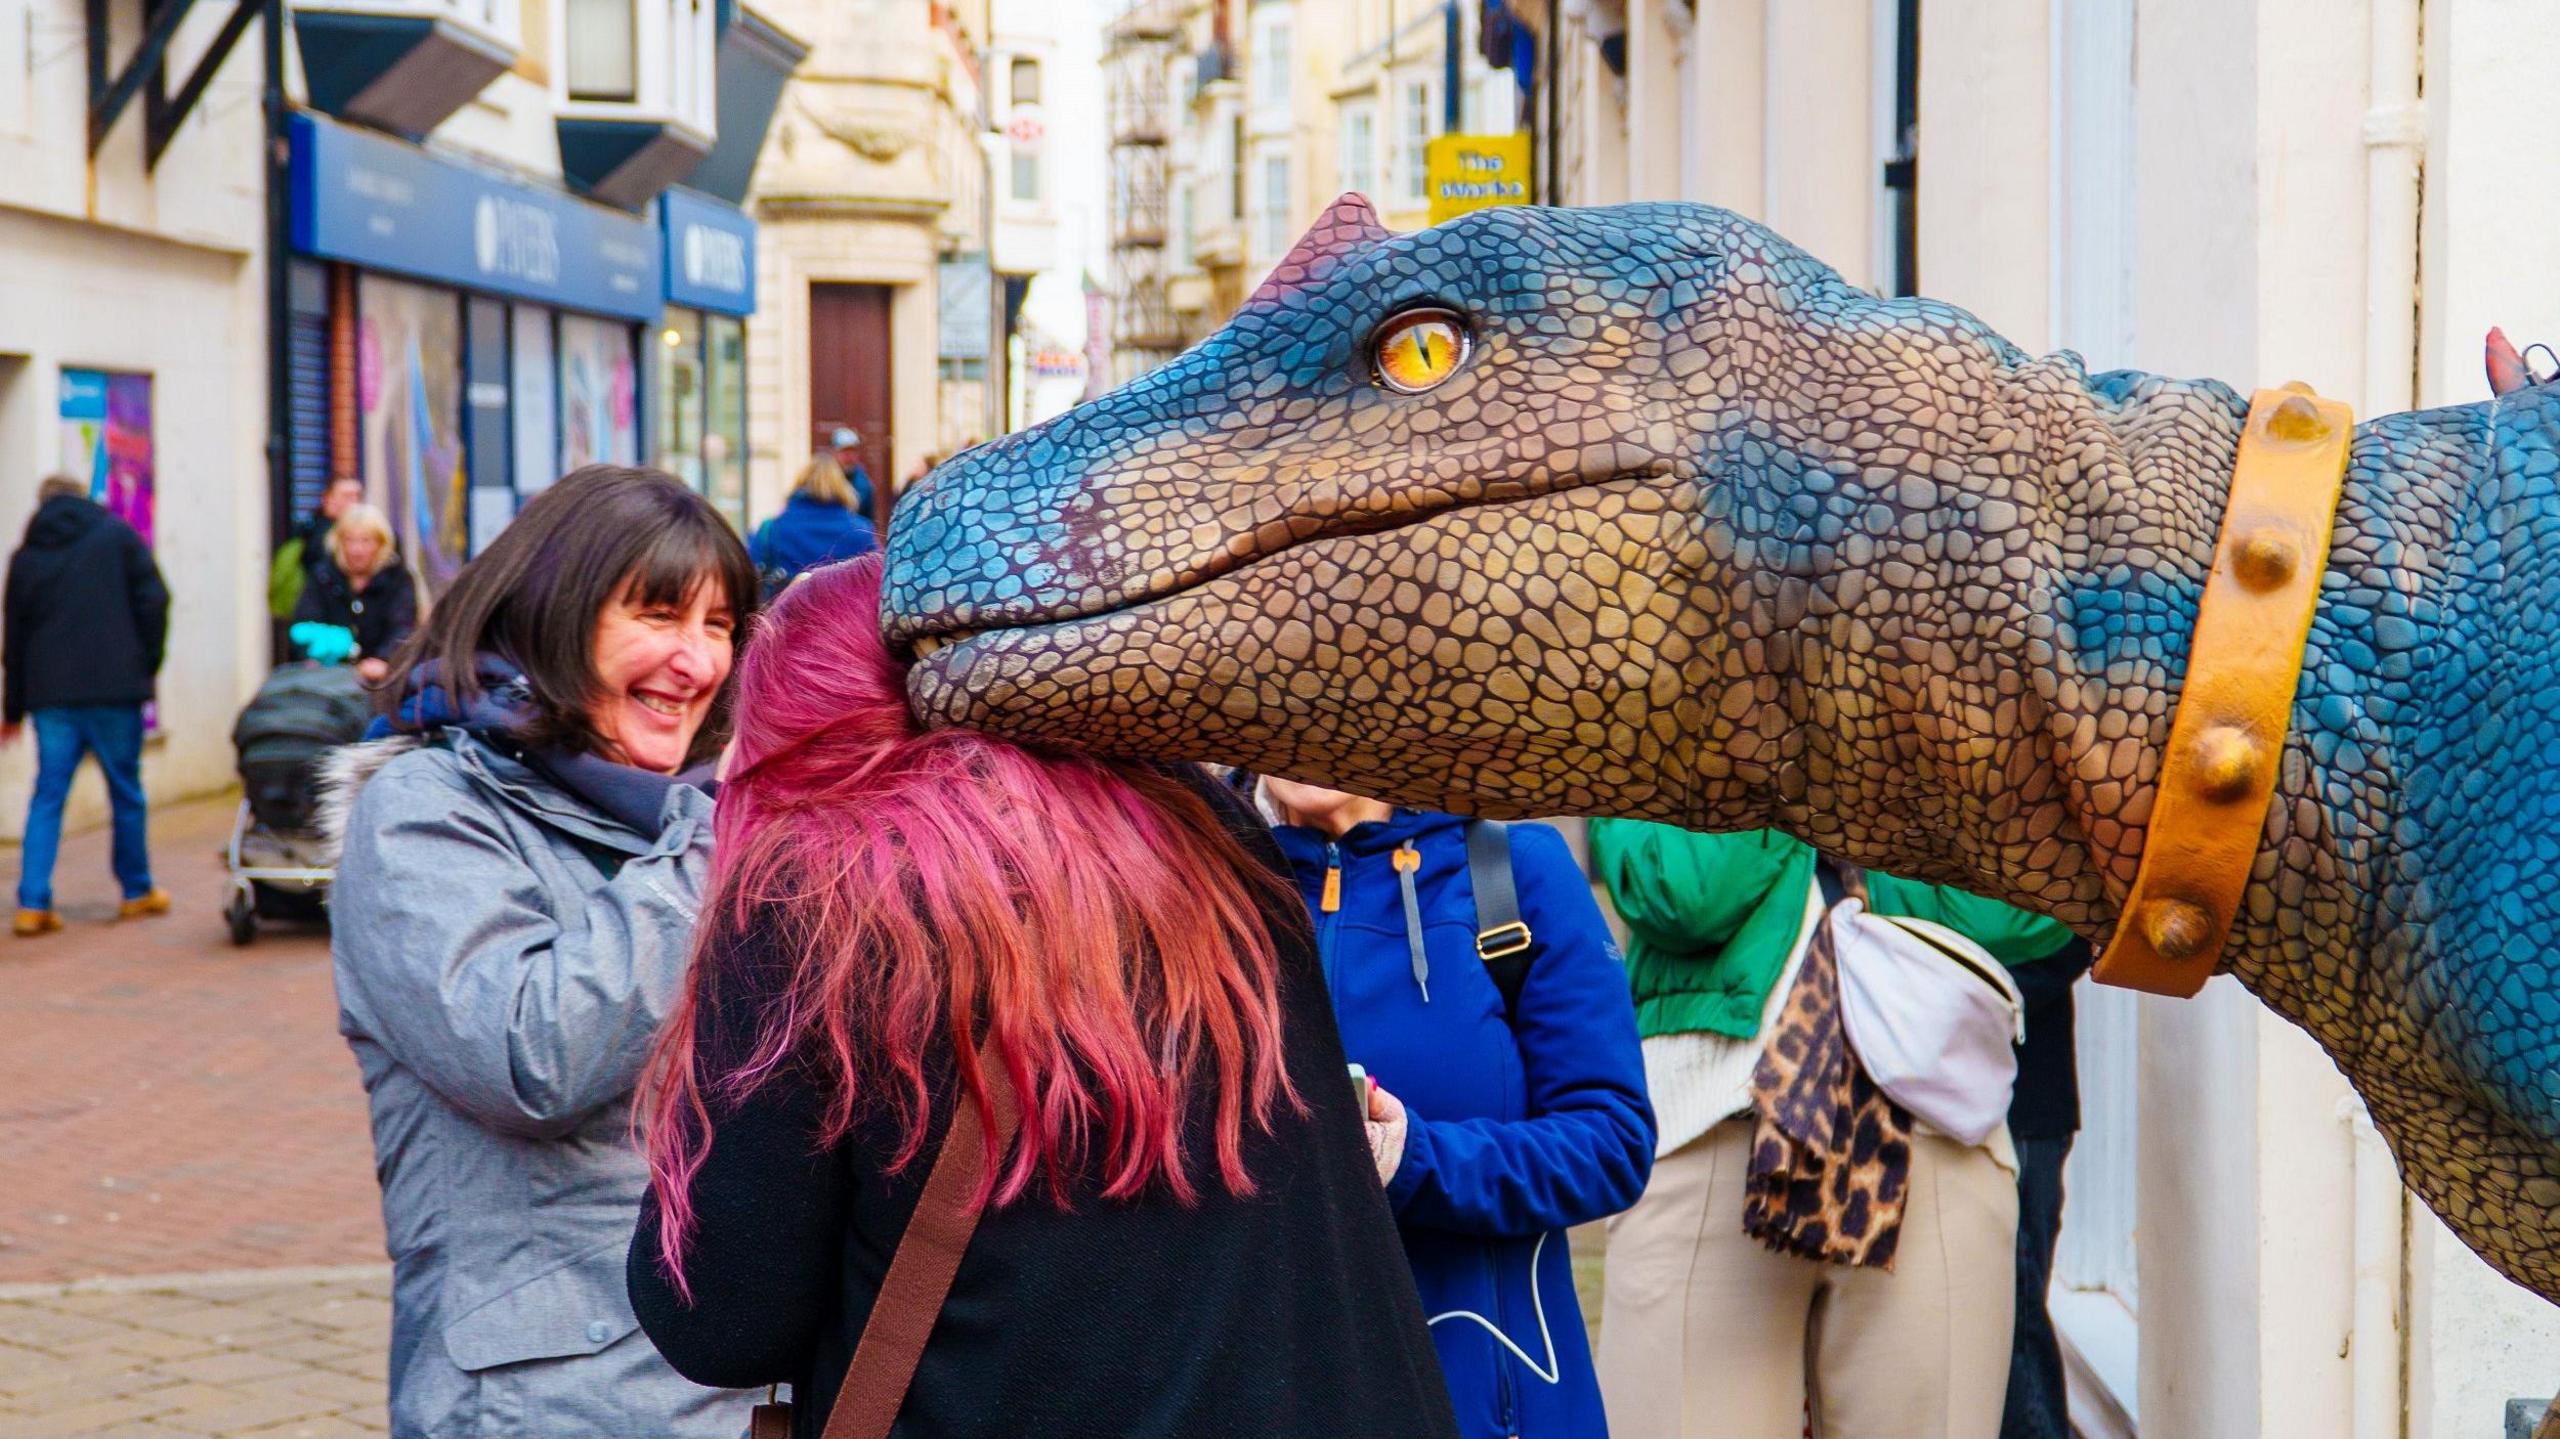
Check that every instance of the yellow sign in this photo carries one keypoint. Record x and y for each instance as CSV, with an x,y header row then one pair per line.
x,y
1471,172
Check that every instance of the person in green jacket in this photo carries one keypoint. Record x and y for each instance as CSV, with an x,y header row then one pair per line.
x,y
1705,1331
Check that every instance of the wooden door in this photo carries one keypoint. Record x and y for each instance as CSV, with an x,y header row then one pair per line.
x,y
849,378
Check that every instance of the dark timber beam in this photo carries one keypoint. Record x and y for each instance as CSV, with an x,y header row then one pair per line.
x,y
162,114
108,98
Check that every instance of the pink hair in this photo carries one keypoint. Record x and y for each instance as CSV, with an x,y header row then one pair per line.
x,y
1094,920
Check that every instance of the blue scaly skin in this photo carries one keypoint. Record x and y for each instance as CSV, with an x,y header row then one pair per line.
x,y
1695,531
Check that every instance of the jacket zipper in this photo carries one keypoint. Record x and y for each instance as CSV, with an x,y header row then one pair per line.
x,y
1330,905
1501,1356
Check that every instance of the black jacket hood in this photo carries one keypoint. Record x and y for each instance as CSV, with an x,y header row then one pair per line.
x,y
62,520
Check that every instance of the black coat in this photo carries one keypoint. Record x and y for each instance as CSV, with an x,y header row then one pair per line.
x,y
86,618
1289,1315
381,614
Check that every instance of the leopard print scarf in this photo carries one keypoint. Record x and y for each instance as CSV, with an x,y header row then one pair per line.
x,y
1830,1154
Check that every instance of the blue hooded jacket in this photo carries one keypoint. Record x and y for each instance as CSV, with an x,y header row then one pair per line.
x,y
809,533
1520,1128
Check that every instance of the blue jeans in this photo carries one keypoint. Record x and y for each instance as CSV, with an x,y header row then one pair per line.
x,y
2037,1407
114,734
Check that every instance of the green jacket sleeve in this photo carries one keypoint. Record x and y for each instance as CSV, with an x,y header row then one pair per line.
x,y
2011,935
1685,892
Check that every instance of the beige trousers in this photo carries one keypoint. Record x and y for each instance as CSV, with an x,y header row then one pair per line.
x,y
1704,1334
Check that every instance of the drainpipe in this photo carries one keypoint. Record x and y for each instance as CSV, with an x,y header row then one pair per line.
x,y
2378,1370
2395,140
279,302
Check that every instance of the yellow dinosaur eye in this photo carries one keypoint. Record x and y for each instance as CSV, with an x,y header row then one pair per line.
x,y
1418,350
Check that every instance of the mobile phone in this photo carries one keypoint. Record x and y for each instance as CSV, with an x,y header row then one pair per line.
x,y
1360,1083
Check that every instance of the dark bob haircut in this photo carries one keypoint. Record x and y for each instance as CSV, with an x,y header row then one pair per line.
x,y
533,597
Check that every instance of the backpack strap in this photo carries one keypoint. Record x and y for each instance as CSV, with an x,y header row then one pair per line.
x,y
1503,940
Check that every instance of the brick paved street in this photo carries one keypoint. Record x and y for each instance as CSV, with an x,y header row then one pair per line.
x,y
296,1356
189,1239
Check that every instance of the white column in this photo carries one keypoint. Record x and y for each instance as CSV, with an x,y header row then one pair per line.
x,y
1820,176
1726,147
1985,161
1653,102
2493,68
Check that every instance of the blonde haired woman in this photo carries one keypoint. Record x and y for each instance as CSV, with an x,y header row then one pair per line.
x,y
362,589
824,521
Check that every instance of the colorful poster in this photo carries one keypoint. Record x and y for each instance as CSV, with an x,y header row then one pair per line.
x,y
409,395
599,394
106,440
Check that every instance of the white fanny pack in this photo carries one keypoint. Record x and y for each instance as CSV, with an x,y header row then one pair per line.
x,y
1932,1017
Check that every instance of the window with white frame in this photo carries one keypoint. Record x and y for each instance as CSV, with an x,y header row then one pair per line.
x,y
1413,133
1360,148
1271,64
1182,211
603,45
1275,204
1026,174
657,56
1025,81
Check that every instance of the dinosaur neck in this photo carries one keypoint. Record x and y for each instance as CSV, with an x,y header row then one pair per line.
x,y
2015,645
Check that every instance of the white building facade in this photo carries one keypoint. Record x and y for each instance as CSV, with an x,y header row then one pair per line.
x,y
132,325
2333,191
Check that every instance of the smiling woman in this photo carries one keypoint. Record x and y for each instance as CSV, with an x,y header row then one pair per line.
x,y
523,857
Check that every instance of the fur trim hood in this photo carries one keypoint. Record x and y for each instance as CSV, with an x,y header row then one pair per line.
x,y
343,773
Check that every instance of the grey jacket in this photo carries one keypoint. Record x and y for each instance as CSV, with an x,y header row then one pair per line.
x,y
501,991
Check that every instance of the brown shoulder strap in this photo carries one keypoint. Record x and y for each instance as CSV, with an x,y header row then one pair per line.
x,y
919,1277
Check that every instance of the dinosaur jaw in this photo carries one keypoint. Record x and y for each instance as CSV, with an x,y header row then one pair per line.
x,y
1449,662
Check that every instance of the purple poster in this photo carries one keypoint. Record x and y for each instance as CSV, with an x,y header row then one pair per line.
x,y
106,440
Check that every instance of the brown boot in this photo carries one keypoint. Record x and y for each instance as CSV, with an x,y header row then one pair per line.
x,y
33,922
156,902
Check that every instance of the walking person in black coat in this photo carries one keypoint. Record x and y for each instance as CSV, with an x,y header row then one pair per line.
x,y
83,629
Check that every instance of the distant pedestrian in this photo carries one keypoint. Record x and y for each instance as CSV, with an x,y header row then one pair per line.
x,y
306,549
521,862
86,626
826,519
361,588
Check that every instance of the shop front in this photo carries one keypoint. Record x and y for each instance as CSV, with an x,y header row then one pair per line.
x,y
699,420
459,337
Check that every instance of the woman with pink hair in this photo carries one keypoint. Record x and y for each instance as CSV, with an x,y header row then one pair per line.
x,y
1186,1236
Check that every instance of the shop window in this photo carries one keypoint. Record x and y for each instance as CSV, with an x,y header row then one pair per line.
x,y
724,435
599,394
604,49
536,382
1026,81
409,419
682,397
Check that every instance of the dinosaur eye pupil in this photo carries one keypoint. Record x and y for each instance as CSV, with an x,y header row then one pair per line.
x,y
1418,349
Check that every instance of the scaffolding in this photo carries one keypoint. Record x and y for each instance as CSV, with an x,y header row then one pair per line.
x,y
1138,51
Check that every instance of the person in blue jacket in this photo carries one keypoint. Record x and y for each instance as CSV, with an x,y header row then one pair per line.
x,y
826,519
1496,1127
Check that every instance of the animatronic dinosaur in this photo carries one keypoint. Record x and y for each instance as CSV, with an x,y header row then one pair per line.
x,y
1643,511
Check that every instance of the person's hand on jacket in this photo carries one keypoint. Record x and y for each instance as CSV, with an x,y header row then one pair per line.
x,y
1386,1126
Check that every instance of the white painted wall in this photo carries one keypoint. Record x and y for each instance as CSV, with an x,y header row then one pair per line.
x,y
115,267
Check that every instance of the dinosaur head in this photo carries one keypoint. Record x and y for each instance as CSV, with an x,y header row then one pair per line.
x,y
1447,517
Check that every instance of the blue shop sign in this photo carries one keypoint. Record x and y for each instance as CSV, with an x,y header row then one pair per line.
x,y
711,254
386,204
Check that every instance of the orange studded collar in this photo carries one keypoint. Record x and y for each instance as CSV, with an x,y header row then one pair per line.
x,y
2243,665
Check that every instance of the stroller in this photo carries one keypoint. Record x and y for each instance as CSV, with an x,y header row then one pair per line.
x,y
280,865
